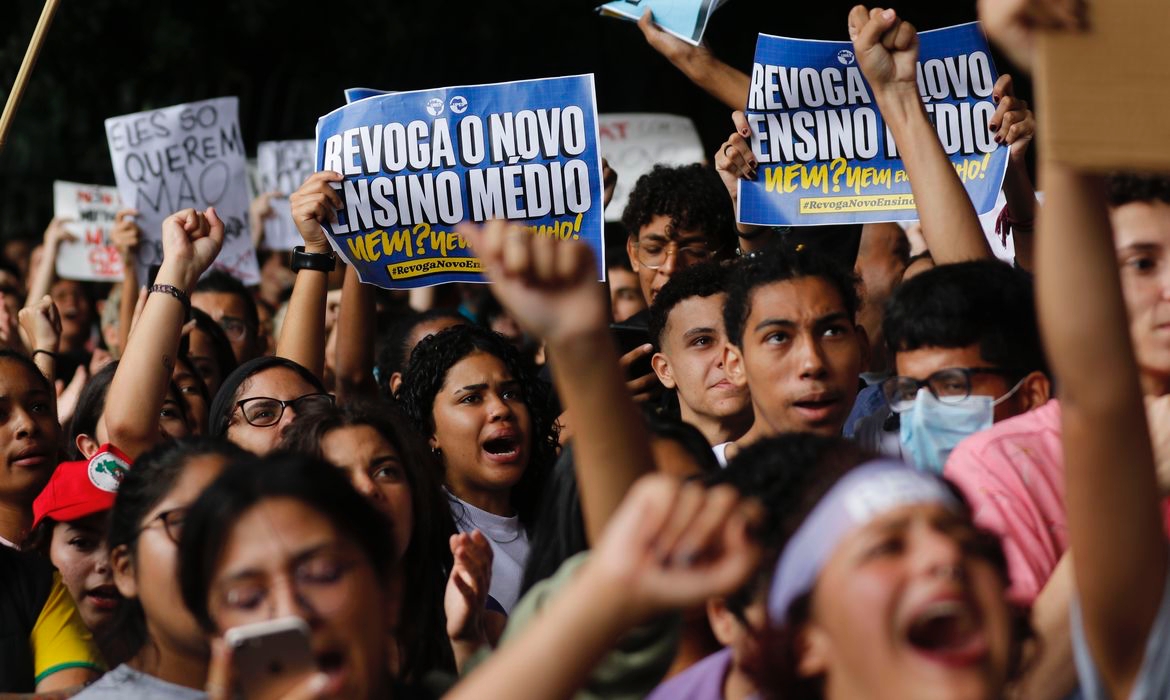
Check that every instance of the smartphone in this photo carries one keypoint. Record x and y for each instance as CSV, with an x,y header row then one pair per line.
x,y
271,657
628,337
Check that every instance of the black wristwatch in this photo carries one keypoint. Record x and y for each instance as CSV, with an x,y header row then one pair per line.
x,y
321,262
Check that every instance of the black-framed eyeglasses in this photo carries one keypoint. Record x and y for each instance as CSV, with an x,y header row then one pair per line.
x,y
264,411
950,385
172,522
653,254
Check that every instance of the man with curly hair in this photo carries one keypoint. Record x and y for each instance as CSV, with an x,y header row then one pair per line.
x,y
677,217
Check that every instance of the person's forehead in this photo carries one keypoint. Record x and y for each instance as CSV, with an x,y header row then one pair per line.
x,y
694,312
660,227
278,383
1141,223
621,277
923,362
218,304
800,299
270,534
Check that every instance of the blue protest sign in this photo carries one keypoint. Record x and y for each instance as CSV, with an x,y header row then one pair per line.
x,y
686,19
825,154
354,94
418,163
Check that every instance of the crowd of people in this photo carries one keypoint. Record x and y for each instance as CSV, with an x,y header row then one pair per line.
x,y
838,462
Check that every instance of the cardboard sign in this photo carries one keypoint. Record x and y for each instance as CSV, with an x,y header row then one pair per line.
x,y
635,143
825,154
1104,94
189,155
282,166
91,211
418,163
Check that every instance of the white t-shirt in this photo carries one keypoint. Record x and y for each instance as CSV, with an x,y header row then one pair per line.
x,y
1153,679
509,544
720,451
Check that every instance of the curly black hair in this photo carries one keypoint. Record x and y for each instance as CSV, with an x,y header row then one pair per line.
x,y
427,371
702,280
692,196
1131,187
783,263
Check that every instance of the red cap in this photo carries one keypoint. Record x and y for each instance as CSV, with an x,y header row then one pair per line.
x,y
78,489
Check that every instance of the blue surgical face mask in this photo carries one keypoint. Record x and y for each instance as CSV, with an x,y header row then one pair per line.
x,y
930,429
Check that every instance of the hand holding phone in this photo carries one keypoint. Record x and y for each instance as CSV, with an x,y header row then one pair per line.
x,y
266,660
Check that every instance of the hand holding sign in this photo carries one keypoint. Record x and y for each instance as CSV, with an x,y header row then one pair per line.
x,y
125,235
549,286
1013,122
314,204
190,240
887,50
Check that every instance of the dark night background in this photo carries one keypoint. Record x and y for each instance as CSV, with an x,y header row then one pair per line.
x,y
289,60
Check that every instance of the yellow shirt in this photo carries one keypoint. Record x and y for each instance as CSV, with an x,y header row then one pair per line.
x,y
60,639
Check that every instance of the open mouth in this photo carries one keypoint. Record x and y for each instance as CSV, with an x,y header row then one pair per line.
x,y
503,449
818,407
948,631
332,664
104,597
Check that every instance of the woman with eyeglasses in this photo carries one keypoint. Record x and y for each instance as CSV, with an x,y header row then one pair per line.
x,y
168,652
258,401
288,536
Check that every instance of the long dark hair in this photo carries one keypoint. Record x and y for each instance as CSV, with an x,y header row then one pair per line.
x,y
224,403
145,485
427,371
249,481
422,639
90,404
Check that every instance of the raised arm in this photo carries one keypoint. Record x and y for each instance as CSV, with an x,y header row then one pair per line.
x,y
191,240
41,278
125,236
355,340
549,286
670,546
302,335
1111,493
721,81
887,53
1015,125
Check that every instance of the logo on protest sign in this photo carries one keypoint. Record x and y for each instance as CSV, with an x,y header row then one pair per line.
x,y
825,154
459,104
90,212
527,152
186,156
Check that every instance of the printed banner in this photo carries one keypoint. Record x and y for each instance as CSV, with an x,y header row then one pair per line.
x,y
90,211
282,167
418,163
825,154
686,19
189,155
635,143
